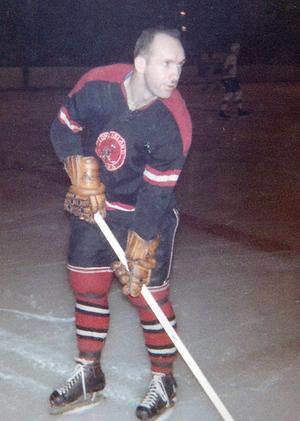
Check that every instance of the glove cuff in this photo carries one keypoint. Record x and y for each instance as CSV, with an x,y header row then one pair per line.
x,y
140,249
84,173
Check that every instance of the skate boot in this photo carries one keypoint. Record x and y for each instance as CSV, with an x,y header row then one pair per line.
x,y
160,396
81,389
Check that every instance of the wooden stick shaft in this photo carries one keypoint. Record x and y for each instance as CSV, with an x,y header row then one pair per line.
x,y
166,324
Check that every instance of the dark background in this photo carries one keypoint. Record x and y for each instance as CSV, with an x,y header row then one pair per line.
x,y
92,32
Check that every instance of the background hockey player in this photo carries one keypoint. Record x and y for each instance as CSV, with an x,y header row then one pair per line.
x,y
231,83
123,135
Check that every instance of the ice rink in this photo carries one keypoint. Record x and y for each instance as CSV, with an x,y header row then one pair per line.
x,y
235,281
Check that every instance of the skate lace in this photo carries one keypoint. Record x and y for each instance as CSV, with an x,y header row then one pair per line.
x,y
156,391
76,375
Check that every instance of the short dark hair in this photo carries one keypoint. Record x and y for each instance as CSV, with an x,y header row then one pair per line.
x,y
145,39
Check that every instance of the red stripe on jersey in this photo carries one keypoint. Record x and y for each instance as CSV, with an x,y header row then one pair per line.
x,y
161,178
119,206
66,120
177,107
114,73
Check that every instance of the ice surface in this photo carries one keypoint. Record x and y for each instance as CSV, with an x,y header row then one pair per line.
x,y
235,282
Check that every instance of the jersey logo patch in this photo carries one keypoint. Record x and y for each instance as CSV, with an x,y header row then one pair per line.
x,y
111,148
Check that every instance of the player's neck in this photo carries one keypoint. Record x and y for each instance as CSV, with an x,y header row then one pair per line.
x,y
137,96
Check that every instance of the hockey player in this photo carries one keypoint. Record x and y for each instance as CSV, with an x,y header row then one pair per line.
x,y
123,135
231,83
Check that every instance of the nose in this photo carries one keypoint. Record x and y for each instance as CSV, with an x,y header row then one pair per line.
x,y
175,73
178,70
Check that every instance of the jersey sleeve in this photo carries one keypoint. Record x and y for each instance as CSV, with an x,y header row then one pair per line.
x,y
82,102
67,128
161,173
155,195
86,98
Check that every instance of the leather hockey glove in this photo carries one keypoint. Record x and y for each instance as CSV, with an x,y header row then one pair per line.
x,y
86,193
141,260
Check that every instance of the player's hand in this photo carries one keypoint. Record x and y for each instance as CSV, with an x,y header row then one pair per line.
x,y
141,260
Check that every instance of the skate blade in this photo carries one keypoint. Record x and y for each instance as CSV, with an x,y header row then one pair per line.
x,y
163,416
78,406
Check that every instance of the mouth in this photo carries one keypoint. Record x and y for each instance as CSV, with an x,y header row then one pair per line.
x,y
171,86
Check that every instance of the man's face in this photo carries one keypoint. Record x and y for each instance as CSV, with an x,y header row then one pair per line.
x,y
162,66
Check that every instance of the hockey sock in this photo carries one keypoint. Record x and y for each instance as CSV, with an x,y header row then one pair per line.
x,y
161,350
91,287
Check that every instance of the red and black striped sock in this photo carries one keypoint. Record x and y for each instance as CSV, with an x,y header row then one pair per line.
x,y
161,350
91,287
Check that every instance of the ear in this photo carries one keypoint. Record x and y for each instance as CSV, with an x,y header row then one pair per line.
x,y
140,64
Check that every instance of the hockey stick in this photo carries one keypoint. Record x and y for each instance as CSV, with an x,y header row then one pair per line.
x,y
166,324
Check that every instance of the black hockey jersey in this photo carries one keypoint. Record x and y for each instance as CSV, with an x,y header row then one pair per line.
x,y
141,153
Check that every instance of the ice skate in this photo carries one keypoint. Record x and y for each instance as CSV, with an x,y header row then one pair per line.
x,y
160,396
81,389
